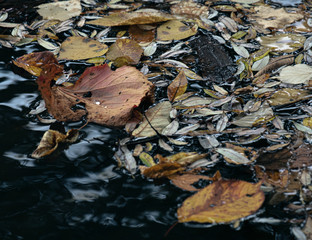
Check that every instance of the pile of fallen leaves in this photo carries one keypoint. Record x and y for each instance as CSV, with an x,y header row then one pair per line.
x,y
237,78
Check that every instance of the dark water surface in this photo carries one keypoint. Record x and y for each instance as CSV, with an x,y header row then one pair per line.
x,y
80,193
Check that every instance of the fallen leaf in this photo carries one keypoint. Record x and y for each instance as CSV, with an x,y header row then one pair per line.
x,y
140,35
269,17
186,181
307,229
222,201
189,9
233,156
124,52
161,170
61,10
51,140
109,97
132,18
155,118
147,159
175,30
288,95
177,87
240,50
36,61
77,48
125,157
297,74
283,42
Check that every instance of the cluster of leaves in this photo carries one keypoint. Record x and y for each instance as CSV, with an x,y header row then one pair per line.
x,y
227,117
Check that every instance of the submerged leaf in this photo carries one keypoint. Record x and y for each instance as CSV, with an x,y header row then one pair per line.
x,y
222,201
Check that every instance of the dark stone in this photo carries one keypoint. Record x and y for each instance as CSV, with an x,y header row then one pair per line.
x,y
214,63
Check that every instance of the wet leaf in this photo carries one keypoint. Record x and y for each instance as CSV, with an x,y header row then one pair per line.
x,y
303,128
124,52
177,87
124,157
297,74
76,48
157,116
132,18
140,35
51,140
307,229
175,30
283,42
288,95
190,9
302,156
260,64
110,100
147,159
36,61
222,201
269,17
161,170
235,157
186,181
61,10
171,128
240,50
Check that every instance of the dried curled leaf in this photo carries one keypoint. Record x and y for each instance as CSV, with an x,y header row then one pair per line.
x,y
222,201
51,140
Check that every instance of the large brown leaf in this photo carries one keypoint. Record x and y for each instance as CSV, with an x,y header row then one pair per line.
x,y
222,201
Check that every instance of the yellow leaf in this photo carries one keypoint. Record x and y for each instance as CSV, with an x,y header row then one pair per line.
x,y
175,30
51,140
222,201
77,48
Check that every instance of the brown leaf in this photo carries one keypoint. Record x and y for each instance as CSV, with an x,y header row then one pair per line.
x,y
276,160
140,35
222,201
190,9
302,156
288,95
51,139
36,61
185,181
132,18
278,178
124,52
109,97
161,170
177,87
77,48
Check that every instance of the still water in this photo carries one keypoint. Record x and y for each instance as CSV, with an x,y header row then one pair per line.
x,y
81,193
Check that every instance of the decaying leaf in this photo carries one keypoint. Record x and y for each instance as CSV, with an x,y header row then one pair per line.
x,y
109,97
222,201
186,181
269,17
288,95
177,87
36,61
175,30
155,118
140,35
51,140
61,10
190,9
125,52
297,74
161,170
132,18
76,48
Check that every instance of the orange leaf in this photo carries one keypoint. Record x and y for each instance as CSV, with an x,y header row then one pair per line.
x,y
36,61
141,35
161,170
177,87
108,97
124,52
222,201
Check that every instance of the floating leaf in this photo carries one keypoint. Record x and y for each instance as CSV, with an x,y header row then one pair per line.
x,y
269,17
36,61
61,10
303,128
186,181
161,170
177,87
51,140
234,156
124,52
297,74
125,157
240,50
283,42
132,18
147,159
222,201
175,30
140,35
157,116
76,48
288,95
